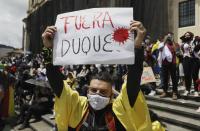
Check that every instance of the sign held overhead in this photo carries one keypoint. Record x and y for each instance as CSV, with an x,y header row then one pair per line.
x,y
94,36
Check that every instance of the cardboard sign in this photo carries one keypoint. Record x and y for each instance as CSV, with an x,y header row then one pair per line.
x,y
94,36
147,76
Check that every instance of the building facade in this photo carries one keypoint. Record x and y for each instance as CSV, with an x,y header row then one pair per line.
x,y
184,15
42,13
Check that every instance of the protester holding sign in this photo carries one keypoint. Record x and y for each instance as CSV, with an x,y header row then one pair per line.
x,y
99,111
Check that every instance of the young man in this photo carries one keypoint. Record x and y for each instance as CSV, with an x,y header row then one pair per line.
x,y
99,111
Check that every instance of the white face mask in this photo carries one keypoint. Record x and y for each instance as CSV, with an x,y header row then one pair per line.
x,y
98,102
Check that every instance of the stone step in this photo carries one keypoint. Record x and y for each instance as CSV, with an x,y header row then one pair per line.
x,y
17,127
179,102
172,127
190,97
47,118
176,109
46,122
178,120
40,126
181,96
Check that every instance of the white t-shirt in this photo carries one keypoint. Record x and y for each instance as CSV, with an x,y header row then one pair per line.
x,y
187,50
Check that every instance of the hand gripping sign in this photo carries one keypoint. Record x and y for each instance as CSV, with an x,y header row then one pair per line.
x,y
94,36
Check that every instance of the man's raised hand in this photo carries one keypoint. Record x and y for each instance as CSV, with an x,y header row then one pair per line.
x,y
48,36
140,30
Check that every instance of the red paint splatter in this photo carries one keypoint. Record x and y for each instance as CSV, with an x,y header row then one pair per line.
x,y
121,35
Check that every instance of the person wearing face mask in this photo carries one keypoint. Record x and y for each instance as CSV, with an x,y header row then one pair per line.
x,y
148,48
93,71
168,56
83,76
99,111
83,72
186,46
41,73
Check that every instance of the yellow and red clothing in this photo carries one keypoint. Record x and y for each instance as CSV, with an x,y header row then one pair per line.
x,y
129,109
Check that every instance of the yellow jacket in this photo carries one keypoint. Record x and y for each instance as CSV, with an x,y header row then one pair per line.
x,y
70,109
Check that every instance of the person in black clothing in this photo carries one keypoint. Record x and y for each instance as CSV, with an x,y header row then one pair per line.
x,y
100,111
117,76
196,63
93,71
191,59
41,104
169,67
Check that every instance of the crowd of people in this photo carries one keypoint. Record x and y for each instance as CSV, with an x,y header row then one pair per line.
x,y
178,61
171,62
15,92
33,101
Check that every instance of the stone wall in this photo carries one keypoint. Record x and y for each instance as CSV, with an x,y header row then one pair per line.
x,y
153,13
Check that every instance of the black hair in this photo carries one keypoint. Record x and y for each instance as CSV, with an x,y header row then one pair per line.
x,y
183,36
104,76
197,39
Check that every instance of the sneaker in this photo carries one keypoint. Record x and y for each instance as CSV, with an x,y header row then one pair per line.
x,y
152,93
198,110
192,92
196,94
52,116
174,96
36,120
23,126
164,94
20,121
186,93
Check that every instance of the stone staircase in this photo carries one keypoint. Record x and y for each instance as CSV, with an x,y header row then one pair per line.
x,y
178,115
42,125
45,124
